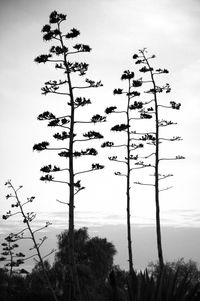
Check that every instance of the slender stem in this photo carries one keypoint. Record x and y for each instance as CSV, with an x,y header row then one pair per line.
x,y
75,289
158,227
128,184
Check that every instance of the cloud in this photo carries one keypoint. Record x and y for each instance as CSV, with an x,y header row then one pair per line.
x,y
59,220
180,226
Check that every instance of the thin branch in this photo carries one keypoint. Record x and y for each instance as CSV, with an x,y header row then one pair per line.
x,y
146,157
56,38
166,188
84,171
83,87
42,228
119,161
171,139
62,202
83,140
133,149
78,190
55,61
51,252
137,139
56,181
136,133
18,212
63,126
63,169
119,112
59,93
145,184
143,166
168,107
62,117
165,159
83,122
148,102
21,231
24,259
56,148
25,203
73,52
42,241
138,167
54,84
23,237
165,176
122,145
132,118
20,187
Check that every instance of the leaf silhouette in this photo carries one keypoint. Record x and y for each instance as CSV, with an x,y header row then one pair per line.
x,y
72,34
41,146
110,110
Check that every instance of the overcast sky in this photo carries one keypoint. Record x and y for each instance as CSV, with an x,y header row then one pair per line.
x,y
115,29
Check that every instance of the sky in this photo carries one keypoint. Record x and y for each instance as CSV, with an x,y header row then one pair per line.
x,y
115,30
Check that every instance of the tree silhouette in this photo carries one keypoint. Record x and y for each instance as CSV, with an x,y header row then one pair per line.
x,y
11,244
185,269
131,105
154,138
10,256
59,55
94,257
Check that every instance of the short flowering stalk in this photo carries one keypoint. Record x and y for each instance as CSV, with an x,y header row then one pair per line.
x,y
21,235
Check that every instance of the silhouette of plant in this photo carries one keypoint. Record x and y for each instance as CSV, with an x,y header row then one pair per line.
x,y
147,110
94,257
131,106
27,218
10,256
185,269
154,138
143,287
60,55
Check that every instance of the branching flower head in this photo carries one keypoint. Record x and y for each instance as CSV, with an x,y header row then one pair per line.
x,y
127,75
43,58
107,144
110,110
120,127
56,18
98,118
117,91
97,166
41,146
72,34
